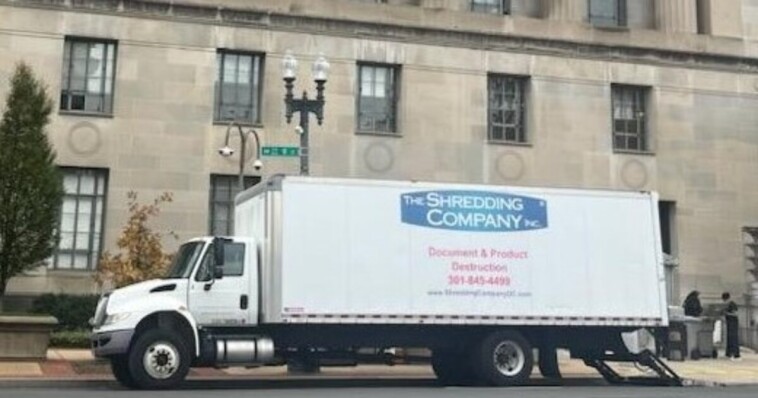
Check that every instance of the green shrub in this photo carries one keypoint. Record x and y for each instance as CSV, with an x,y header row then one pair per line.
x,y
73,312
70,339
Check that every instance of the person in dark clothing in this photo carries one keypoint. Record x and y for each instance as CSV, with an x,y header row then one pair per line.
x,y
732,327
692,305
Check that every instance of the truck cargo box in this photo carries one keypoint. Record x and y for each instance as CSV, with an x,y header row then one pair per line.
x,y
364,251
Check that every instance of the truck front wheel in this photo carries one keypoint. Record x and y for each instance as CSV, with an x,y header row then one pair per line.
x,y
120,369
158,360
504,359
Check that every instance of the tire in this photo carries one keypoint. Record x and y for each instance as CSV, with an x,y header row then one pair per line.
x,y
453,368
548,363
159,360
504,359
120,369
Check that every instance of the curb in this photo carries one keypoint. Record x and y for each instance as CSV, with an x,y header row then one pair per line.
x,y
707,383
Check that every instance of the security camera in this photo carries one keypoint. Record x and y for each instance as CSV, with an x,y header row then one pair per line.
x,y
257,164
226,151
299,130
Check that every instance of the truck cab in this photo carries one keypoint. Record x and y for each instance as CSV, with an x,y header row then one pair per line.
x,y
204,289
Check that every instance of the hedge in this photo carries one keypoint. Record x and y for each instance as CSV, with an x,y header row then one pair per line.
x,y
73,312
70,339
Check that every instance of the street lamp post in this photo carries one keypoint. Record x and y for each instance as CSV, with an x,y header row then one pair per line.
x,y
227,151
304,105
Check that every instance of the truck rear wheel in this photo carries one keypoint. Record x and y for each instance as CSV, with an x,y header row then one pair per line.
x,y
158,359
504,359
548,362
453,368
120,369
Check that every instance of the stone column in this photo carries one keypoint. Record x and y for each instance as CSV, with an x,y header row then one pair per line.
x,y
676,16
565,10
721,18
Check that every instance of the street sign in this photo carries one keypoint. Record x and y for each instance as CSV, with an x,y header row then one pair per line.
x,y
280,151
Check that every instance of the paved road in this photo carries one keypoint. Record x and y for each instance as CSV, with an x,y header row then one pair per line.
x,y
361,388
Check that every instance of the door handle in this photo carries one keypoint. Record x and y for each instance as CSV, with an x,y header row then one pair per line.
x,y
243,302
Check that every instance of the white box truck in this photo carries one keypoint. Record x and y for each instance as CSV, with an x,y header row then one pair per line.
x,y
328,270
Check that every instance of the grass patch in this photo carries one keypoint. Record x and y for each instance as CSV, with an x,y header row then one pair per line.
x,y
21,313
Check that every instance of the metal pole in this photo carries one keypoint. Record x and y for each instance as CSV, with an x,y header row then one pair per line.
x,y
305,107
257,144
243,142
304,116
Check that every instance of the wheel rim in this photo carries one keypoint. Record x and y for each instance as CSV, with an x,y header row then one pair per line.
x,y
161,360
509,358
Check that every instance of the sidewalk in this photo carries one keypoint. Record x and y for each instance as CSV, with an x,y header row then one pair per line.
x,y
64,364
720,371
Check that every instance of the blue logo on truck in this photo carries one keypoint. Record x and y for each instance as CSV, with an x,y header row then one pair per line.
x,y
477,211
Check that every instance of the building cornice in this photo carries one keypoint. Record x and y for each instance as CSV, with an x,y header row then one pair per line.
x,y
280,20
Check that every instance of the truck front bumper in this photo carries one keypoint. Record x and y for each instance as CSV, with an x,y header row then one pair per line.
x,y
106,344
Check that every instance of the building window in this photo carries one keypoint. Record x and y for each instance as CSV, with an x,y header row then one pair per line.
x,y
88,70
377,98
238,87
607,13
629,118
506,108
491,6
81,221
221,208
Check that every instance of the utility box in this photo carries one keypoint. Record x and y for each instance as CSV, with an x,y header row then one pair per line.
x,y
691,338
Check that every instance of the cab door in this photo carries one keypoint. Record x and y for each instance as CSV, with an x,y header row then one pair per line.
x,y
225,301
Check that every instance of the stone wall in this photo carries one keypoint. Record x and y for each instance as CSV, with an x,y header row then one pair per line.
x,y
162,136
25,337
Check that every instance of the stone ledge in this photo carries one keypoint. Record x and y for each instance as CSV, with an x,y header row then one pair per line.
x,y
26,320
25,337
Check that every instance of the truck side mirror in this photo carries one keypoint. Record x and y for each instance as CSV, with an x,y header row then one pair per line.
x,y
218,272
218,252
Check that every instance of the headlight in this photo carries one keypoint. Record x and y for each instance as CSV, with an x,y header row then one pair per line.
x,y
113,318
99,317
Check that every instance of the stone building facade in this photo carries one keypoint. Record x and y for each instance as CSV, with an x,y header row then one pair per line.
x,y
631,95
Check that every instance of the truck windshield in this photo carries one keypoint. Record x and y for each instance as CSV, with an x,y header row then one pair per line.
x,y
181,267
